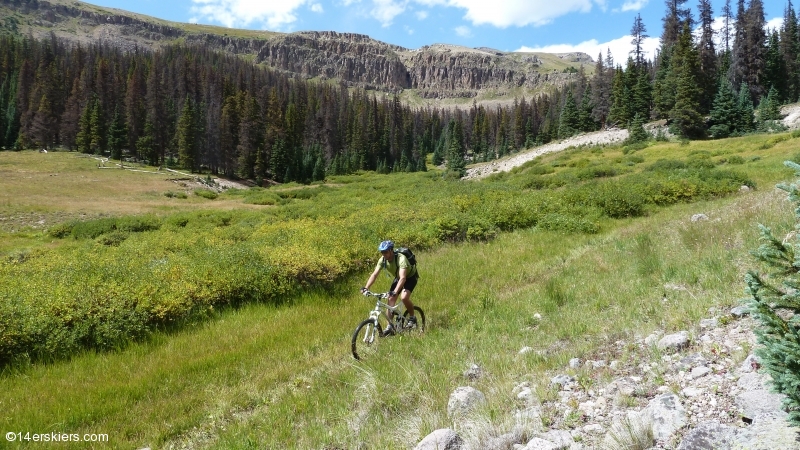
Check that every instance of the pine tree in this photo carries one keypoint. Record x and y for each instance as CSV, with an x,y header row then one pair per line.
x,y
601,92
724,114
456,164
745,107
569,123
97,129
790,49
775,303
707,56
769,111
187,136
636,131
117,135
686,120
83,139
638,31
775,74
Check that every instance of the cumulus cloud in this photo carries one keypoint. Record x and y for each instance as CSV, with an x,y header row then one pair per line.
x,y
421,15
244,13
317,8
463,31
633,5
506,13
620,48
384,11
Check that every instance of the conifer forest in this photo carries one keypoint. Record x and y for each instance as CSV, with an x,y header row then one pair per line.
x,y
190,107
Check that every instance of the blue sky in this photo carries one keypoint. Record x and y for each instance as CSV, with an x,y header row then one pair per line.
x,y
590,26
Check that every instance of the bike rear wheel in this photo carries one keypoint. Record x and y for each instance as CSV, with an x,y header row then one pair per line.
x,y
420,315
365,338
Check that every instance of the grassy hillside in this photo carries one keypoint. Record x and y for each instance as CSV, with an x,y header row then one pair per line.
x,y
277,373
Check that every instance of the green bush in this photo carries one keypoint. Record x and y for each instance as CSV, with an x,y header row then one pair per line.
x,y
206,193
113,238
666,165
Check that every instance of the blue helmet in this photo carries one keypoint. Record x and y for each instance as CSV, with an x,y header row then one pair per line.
x,y
385,245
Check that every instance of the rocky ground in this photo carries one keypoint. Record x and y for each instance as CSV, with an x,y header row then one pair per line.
x,y
698,389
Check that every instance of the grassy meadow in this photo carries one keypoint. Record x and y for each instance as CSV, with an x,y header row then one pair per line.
x,y
225,322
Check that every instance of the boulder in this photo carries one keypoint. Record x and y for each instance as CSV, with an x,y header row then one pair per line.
x,y
464,400
444,439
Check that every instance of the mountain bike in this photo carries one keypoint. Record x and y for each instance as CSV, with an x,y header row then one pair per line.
x,y
367,332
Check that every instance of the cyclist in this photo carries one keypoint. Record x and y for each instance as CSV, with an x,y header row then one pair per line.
x,y
405,279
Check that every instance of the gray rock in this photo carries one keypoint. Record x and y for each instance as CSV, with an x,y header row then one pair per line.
x,y
753,381
538,443
767,432
575,363
562,380
740,311
634,430
693,360
750,364
674,342
755,403
464,400
473,373
699,217
699,372
503,441
667,415
709,436
444,439
562,439
709,323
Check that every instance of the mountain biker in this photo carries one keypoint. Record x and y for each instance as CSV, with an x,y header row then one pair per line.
x,y
405,279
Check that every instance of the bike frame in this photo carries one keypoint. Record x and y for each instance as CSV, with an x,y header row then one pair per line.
x,y
379,306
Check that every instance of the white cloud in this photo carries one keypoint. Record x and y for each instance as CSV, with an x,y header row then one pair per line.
x,y
421,15
620,48
463,31
242,13
774,24
633,5
384,11
506,13
317,8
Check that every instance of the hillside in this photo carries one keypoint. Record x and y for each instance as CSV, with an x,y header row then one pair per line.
x,y
435,74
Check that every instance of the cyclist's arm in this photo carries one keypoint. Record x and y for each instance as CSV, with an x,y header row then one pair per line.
x,y
401,280
372,277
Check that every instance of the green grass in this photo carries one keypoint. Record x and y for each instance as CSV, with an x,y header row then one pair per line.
x,y
271,376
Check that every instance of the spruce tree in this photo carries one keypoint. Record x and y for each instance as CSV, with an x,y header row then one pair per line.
x,y
569,123
686,120
745,107
117,135
724,115
456,164
775,303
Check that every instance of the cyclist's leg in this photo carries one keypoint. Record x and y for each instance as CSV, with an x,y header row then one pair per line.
x,y
405,296
391,301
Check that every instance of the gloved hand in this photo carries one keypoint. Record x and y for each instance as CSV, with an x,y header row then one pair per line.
x,y
364,291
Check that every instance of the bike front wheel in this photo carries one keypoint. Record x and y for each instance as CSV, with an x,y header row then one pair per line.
x,y
365,338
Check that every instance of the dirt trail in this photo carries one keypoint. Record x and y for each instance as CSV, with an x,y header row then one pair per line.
x,y
791,120
504,165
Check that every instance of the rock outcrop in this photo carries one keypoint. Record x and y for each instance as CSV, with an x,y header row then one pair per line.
x,y
435,71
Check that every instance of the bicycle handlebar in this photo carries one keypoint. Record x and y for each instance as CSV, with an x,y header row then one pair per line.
x,y
375,294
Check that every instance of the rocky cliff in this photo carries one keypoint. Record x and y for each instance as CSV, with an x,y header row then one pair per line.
x,y
435,71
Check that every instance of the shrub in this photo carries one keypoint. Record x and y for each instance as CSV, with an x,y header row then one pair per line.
x,y
206,193
666,165
775,304
114,238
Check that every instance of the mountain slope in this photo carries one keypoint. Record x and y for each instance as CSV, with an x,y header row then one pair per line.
x,y
429,74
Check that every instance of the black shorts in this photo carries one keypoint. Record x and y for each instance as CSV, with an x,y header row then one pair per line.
x,y
409,286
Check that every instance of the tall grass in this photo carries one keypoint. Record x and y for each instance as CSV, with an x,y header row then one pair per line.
x,y
280,375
